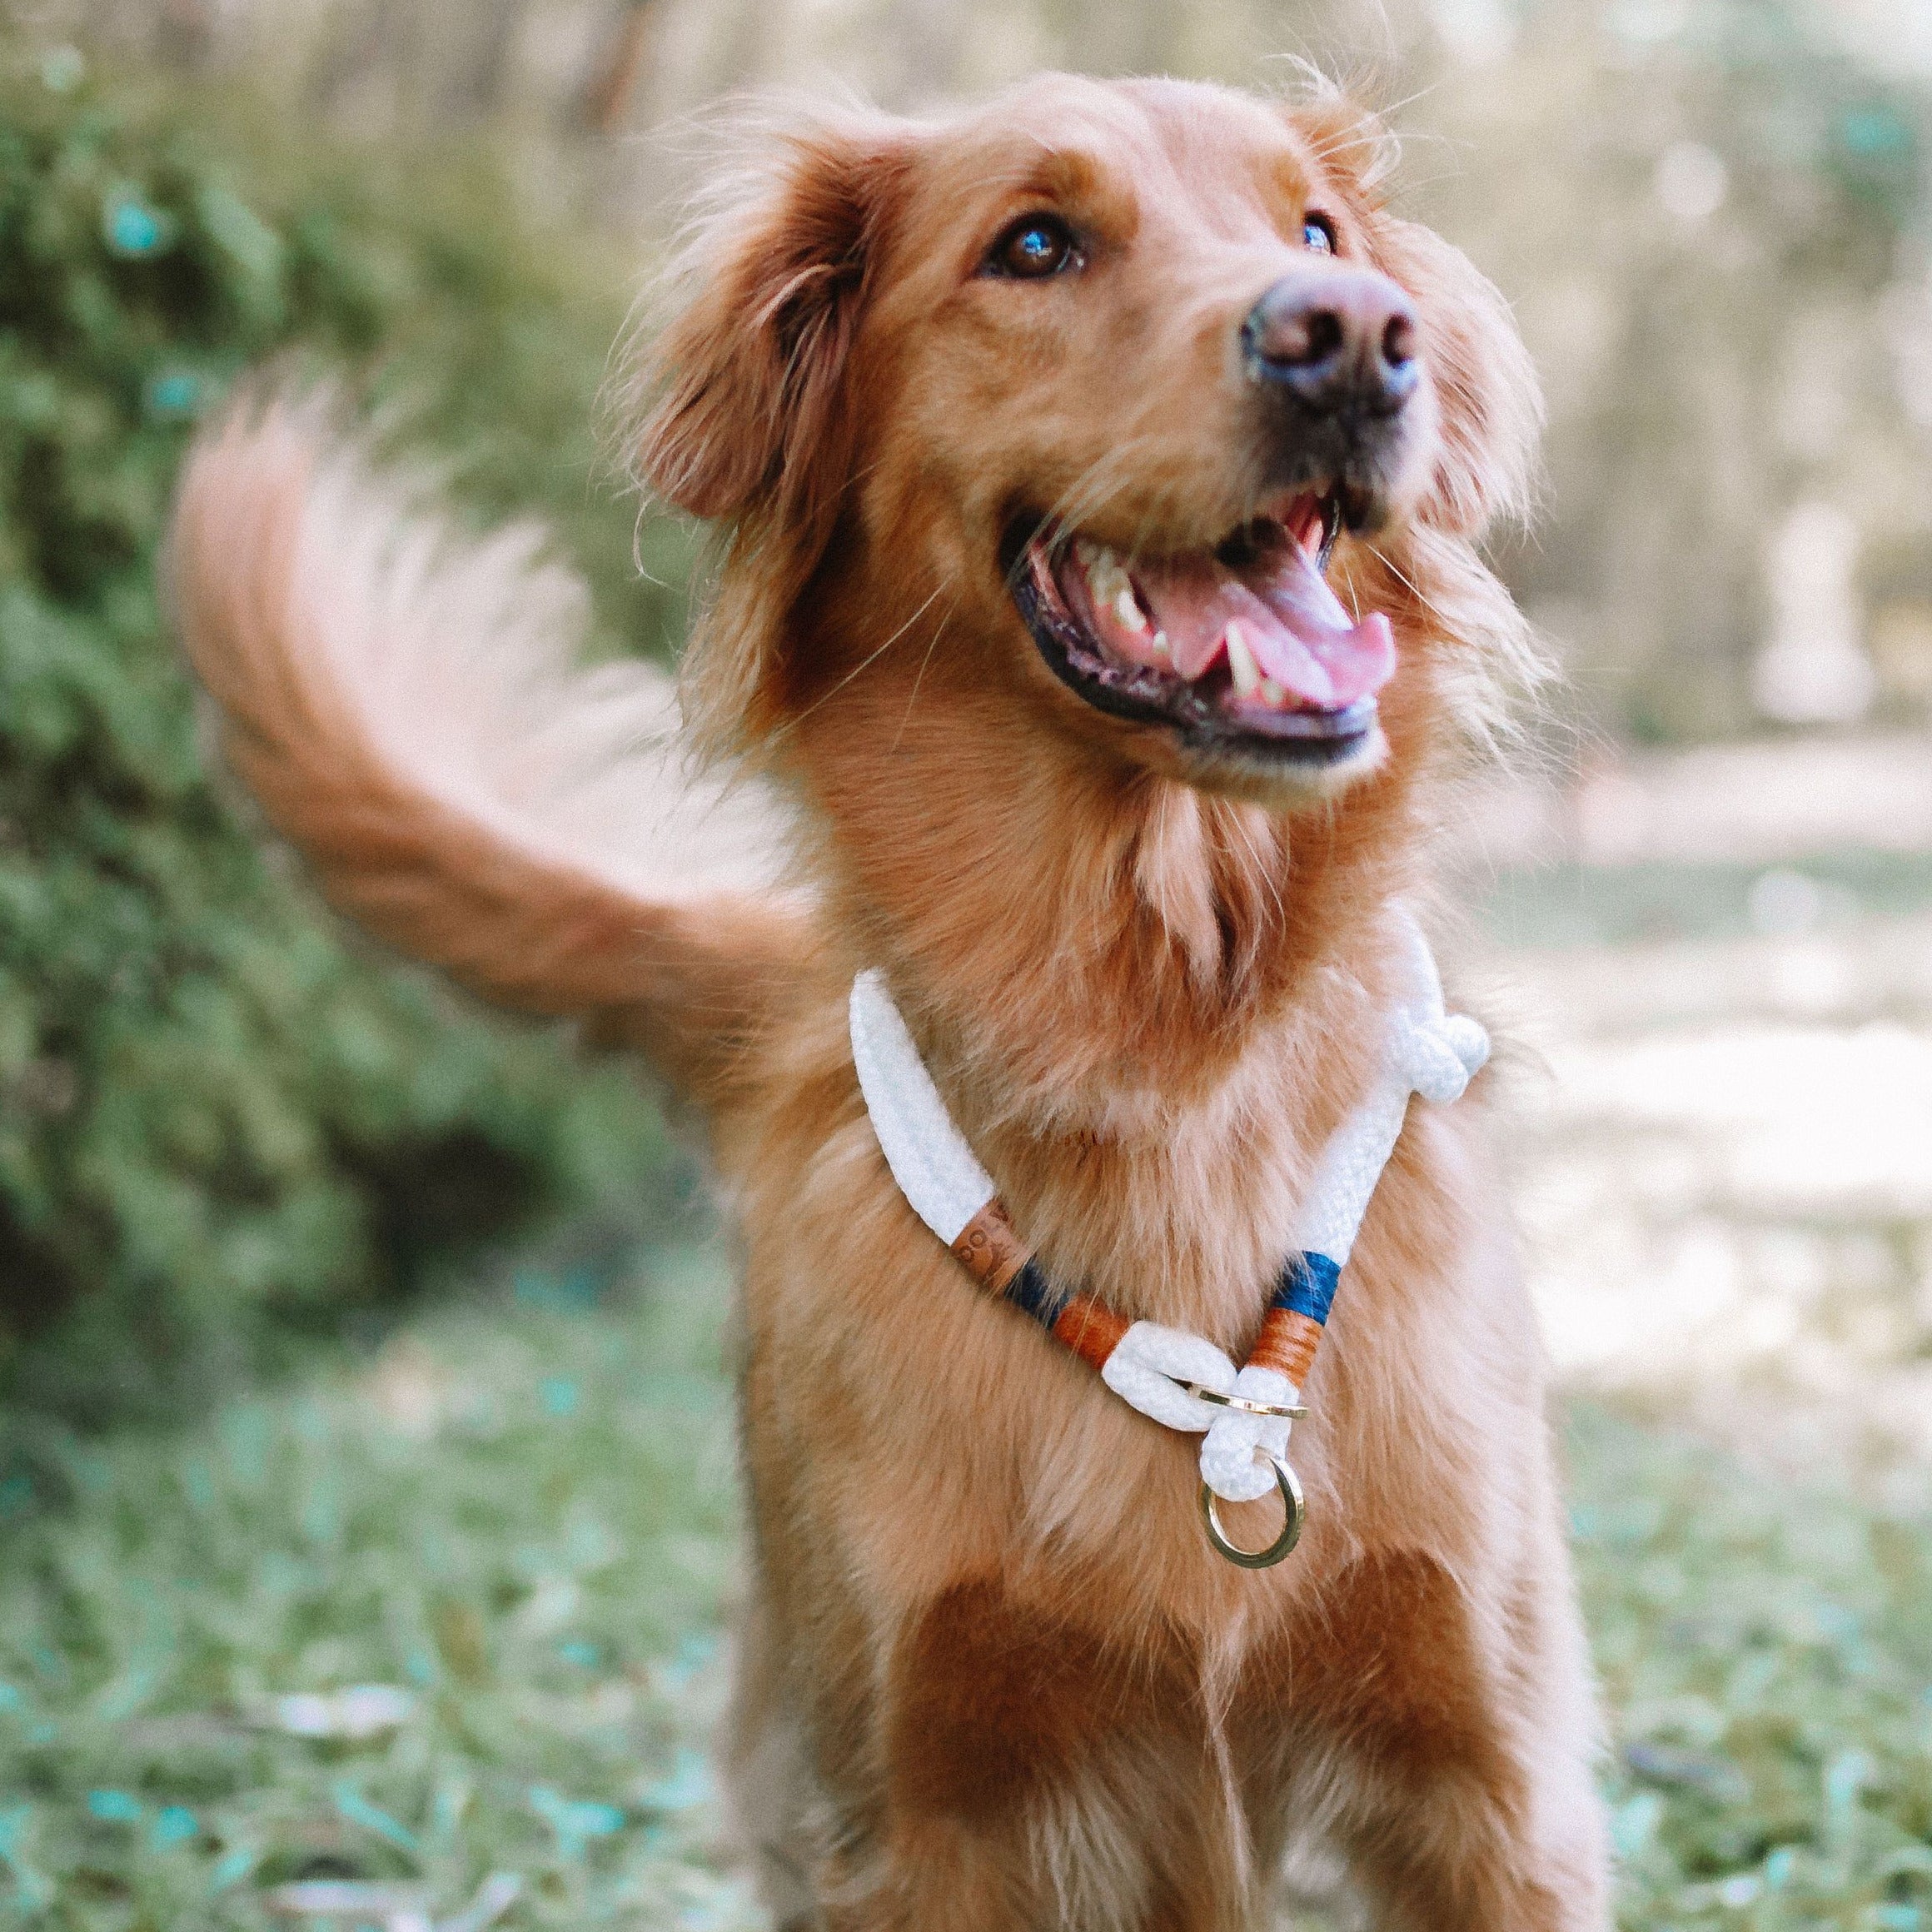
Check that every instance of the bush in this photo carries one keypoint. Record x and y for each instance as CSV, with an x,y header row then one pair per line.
x,y
219,1112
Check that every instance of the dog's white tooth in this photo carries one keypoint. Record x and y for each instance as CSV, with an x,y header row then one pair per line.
x,y
1162,647
1085,551
1128,611
1272,693
1241,663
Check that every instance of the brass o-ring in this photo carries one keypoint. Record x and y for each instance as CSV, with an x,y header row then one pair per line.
x,y
1290,1485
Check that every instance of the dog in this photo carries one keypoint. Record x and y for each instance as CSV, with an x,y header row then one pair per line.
x,y
1098,475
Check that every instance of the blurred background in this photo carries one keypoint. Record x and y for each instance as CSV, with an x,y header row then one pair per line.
x,y
367,1499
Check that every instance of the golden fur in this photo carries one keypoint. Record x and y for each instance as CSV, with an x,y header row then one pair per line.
x,y
992,1676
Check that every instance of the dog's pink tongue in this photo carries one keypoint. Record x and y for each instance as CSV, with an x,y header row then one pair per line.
x,y
1293,624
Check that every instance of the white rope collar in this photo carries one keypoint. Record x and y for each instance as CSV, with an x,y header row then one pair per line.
x,y
1178,1379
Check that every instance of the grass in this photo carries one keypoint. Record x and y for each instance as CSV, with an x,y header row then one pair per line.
x,y
1767,1659
522,1520
518,1518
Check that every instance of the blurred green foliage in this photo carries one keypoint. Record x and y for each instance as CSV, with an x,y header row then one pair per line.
x,y
1719,263
218,1114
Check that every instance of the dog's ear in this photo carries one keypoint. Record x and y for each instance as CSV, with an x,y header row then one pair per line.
x,y
1491,403
747,413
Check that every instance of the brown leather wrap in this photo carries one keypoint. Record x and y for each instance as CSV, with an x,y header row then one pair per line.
x,y
990,1249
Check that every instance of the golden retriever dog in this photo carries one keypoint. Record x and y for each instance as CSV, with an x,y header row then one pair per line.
x,y
1097,475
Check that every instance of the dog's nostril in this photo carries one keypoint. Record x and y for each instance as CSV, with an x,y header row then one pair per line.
x,y
1398,341
1324,334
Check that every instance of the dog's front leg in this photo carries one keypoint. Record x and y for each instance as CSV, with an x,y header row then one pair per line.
x,y
1462,1728
1091,1853
834,1851
932,1874
1032,1777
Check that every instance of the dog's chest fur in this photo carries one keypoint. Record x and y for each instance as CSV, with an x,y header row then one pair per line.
x,y
867,1339
998,1600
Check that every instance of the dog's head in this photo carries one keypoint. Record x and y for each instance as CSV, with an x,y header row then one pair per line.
x,y
1111,405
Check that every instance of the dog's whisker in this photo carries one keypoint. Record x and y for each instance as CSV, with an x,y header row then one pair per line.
x,y
1091,491
919,677
863,665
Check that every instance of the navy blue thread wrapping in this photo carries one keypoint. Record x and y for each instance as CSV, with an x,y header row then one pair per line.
x,y
1030,1289
1307,1285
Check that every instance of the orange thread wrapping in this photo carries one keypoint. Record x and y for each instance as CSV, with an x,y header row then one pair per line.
x,y
1288,1342
1090,1329
990,1249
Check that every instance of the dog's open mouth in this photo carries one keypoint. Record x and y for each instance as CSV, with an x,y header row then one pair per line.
x,y
1240,648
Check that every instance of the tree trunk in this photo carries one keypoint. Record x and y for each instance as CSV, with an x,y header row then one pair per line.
x,y
613,84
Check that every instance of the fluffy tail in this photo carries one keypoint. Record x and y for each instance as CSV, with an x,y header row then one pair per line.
x,y
401,699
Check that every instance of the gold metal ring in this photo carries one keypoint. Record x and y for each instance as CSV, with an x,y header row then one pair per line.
x,y
1290,1485
1246,1404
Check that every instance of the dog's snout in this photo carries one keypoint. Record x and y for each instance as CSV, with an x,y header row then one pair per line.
x,y
1337,340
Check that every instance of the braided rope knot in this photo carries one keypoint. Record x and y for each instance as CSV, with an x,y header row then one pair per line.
x,y
1149,1369
1150,1364
1434,1054
1426,1051
1232,1454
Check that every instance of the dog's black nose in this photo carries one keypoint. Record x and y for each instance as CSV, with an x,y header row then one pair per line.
x,y
1340,340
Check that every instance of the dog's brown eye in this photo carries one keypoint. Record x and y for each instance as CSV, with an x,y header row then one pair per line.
x,y
1318,234
1033,248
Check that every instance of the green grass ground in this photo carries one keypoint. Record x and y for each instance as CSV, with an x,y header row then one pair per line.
x,y
522,1520
519,1520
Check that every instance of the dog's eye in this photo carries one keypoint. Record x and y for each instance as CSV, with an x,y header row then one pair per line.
x,y
1318,234
1032,248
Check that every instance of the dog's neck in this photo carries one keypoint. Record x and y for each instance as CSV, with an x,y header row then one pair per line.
x,y
1065,936
1117,981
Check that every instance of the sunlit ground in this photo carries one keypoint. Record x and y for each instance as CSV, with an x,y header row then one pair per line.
x,y
1723,1105
1725,1182
433,1637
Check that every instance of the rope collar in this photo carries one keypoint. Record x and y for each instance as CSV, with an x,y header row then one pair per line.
x,y
1178,1379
